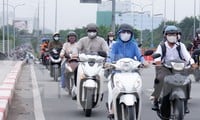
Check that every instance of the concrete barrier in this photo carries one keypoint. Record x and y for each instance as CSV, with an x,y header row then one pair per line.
x,y
7,89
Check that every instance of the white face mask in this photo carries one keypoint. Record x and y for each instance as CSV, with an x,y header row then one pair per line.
x,y
56,38
172,39
92,35
125,36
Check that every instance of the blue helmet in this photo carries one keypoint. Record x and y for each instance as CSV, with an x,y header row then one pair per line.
x,y
45,39
171,29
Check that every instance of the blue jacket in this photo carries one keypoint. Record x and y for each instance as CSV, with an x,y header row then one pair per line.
x,y
127,49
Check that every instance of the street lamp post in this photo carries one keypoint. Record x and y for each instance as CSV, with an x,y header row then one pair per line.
x,y
174,11
142,12
194,24
8,39
3,31
56,16
113,15
14,30
152,13
152,37
165,7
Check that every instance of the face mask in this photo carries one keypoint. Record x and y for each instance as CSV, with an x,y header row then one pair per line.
x,y
125,36
92,35
172,39
111,38
56,38
199,35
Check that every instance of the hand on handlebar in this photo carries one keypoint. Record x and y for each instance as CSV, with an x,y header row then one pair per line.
x,y
194,66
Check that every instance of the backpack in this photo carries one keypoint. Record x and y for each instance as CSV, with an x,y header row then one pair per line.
x,y
163,47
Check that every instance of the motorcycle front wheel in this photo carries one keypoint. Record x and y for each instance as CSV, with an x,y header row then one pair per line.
x,y
55,75
88,102
128,112
178,109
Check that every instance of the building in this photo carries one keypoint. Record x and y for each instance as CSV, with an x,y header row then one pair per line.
x,y
140,20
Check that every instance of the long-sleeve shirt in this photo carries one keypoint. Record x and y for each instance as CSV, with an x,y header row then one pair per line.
x,y
87,45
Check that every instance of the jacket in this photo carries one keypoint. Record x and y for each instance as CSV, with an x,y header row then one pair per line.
x,y
87,45
127,49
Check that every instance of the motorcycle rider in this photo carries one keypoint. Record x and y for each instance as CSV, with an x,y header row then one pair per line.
x,y
171,43
90,43
125,47
54,44
110,39
196,41
67,48
43,47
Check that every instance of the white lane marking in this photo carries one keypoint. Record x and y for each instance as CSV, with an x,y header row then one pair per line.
x,y
38,110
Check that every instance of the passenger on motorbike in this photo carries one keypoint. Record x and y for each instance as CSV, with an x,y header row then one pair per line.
x,y
56,43
90,43
67,48
171,43
110,39
43,47
125,47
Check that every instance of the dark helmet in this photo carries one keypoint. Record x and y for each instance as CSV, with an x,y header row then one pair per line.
x,y
126,27
198,31
111,34
171,29
91,27
71,33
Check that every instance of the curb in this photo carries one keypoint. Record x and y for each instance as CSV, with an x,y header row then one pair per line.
x,y
7,89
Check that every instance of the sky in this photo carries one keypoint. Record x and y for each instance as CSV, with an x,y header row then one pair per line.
x,y
72,14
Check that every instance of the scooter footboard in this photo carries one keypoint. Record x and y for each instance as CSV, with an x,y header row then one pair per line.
x,y
128,99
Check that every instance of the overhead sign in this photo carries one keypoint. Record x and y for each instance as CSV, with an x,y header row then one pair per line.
x,y
90,1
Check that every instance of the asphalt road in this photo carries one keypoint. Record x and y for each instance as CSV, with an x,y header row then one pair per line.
x,y
56,104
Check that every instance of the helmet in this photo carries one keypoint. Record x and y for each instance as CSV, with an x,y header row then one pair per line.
x,y
111,34
92,27
125,27
71,33
198,31
171,29
45,39
56,34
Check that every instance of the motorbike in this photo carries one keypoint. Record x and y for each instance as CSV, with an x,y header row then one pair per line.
x,y
126,87
46,58
175,92
196,57
70,65
55,63
90,81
